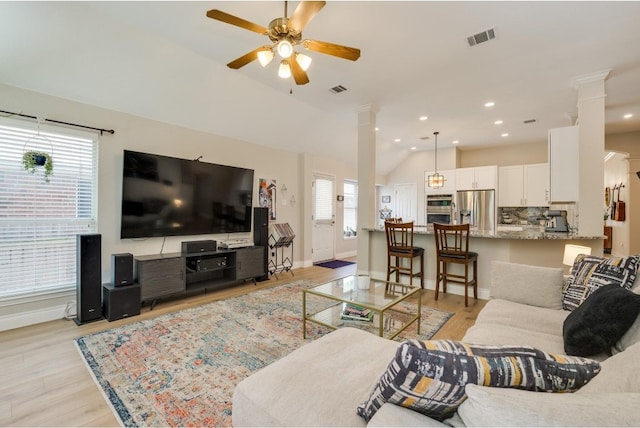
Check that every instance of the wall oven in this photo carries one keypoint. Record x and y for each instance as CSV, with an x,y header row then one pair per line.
x,y
439,209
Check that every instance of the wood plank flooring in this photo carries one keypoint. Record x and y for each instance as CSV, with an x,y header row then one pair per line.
x,y
44,381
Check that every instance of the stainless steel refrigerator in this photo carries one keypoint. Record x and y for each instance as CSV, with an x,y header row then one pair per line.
x,y
477,207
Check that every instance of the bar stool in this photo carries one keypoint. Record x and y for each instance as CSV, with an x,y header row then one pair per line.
x,y
452,246
399,247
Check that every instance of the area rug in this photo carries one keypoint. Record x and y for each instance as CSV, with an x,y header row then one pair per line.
x,y
334,264
180,369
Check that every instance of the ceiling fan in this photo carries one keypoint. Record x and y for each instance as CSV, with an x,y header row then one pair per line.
x,y
286,33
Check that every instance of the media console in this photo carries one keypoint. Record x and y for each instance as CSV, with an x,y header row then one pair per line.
x,y
163,275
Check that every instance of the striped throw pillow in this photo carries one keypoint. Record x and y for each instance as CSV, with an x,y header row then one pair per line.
x,y
591,272
430,376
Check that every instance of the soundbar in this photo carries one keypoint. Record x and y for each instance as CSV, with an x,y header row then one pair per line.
x,y
207,245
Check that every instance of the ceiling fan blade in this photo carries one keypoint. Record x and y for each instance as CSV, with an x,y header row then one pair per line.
x,y
332,49
245,59
304,13
234,20
299,75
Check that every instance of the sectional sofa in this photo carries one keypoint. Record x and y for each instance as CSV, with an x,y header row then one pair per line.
x,y
328,381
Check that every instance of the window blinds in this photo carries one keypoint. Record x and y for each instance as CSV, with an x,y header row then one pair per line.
x,y
324,200
39,221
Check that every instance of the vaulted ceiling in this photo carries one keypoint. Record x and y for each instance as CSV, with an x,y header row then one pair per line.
x,y
167,61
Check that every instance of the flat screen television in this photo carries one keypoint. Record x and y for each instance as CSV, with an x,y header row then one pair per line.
x,y
166,196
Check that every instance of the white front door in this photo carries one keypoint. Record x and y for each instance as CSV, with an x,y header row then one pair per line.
x,y
406,205
323,235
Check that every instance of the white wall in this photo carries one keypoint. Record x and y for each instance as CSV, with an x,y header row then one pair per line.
x,y
140,134
616,172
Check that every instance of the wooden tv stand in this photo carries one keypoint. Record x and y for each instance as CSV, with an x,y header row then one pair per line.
x,y
172,274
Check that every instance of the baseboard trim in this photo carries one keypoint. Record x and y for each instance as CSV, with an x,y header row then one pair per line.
x,y
23,319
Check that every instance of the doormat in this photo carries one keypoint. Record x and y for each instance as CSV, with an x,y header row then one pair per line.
x,y
181,369
334,264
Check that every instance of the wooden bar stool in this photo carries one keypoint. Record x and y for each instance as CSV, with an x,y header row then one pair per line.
x,y
399,247
452,246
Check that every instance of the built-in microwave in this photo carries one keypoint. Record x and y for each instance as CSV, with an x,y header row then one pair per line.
x,y
440,208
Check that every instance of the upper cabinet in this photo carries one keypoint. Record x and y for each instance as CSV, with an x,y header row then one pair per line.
x,y
449,187
563,164
524,185
478,178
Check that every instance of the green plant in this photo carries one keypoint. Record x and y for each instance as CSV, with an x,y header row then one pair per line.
x,y
30,162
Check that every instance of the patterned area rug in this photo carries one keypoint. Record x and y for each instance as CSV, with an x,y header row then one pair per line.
x,y
180,369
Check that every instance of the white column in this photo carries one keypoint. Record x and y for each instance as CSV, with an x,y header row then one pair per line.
x,y
591,95
366,183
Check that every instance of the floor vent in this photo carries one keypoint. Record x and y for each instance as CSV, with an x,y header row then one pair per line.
x,y
338,89
482,37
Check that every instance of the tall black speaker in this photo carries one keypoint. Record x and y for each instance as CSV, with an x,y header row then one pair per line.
x,y
88,278
261,235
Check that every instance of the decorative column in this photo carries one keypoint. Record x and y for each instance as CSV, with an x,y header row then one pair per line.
x,y
366,183
591,95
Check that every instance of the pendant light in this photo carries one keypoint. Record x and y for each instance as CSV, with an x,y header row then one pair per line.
x,y
435,180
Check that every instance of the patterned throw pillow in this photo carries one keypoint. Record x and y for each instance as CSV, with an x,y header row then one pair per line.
x,y
430,376
590,273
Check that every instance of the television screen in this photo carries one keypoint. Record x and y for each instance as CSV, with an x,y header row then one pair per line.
x,y
165,196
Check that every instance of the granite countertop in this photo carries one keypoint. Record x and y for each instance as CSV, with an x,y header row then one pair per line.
x,y
533,233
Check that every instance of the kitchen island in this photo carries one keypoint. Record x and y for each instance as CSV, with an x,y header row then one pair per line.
x,y
529,246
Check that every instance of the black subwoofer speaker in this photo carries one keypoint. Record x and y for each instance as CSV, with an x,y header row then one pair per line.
x,y
88,278
120,302
261,235
121,269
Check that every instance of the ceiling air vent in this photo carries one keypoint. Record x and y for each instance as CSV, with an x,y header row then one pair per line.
x,y
338,89
529,121
482,37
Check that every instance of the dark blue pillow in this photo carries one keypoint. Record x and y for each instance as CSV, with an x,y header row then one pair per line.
x,y
598,323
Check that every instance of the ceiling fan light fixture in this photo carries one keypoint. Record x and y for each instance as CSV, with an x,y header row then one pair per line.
x,y
285,48
303,60
284,71
265,56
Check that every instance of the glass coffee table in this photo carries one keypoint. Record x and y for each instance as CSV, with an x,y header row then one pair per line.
x,y
375,295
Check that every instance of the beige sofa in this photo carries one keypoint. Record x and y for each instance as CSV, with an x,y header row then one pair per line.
x,y
322,383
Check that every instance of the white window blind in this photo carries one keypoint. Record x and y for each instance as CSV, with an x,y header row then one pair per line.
x,y
350,208
324,199
39,221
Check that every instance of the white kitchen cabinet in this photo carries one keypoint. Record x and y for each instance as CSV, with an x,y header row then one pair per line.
x,y
536,185
478,178
523,185
510,186
449,187
563,164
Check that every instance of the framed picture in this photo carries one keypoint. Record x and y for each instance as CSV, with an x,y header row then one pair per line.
x,y
386,199
267,196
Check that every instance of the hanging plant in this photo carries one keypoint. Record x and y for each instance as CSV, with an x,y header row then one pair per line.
x,y
33,159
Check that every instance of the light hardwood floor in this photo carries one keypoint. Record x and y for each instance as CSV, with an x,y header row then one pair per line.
x,y
44,381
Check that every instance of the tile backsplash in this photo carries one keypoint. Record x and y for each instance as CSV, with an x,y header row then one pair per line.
x,y
527,216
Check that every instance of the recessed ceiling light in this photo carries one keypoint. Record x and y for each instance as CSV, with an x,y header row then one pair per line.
x,y
377,129
504,135
423,118
413,148
498,122
628,116
455,142
489,104
397,140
